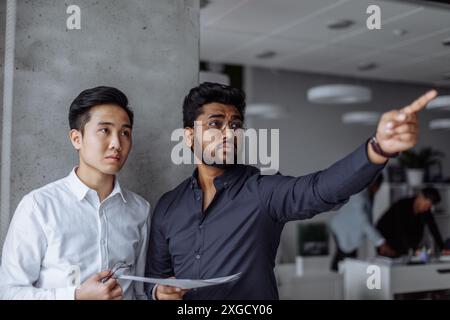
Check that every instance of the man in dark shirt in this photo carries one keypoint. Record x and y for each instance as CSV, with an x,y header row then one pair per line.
x,y
227,218
403,224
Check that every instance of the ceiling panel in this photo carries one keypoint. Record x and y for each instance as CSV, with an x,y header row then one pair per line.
x,y
213,43
355,10
217,9
426,45
284,49
329,56
265,16
384,62
236,31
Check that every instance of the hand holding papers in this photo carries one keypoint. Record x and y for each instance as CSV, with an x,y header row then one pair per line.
x,y
184,283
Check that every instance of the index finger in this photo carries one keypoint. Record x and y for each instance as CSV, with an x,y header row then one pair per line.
x,y
420,103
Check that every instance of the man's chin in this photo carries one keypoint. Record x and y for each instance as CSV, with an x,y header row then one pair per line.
x,y
111,169
223,162
222,165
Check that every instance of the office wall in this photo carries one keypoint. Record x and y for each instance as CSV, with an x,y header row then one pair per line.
x,y
312,136
2,60
148,49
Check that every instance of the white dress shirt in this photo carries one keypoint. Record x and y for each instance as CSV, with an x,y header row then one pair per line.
x,y
61,234
352,223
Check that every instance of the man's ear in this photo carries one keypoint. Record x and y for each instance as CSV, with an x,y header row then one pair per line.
x,y
76,137
189,136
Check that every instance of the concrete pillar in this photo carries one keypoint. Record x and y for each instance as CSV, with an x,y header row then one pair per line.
x,y
148,49
2,60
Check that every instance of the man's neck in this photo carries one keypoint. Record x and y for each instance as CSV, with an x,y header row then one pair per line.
x,y
102,183
206,176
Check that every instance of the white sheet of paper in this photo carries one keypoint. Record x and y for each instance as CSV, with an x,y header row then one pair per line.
x,y
184,283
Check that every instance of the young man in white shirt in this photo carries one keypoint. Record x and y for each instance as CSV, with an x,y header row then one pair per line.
x,y
65,237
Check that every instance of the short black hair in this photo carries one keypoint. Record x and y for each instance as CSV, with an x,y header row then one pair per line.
x,y
209,92
79,109
431,194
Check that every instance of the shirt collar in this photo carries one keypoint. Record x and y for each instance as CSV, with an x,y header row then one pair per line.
x,y
225,180
80,190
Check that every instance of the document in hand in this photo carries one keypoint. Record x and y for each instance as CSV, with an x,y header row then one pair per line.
x,y
184,283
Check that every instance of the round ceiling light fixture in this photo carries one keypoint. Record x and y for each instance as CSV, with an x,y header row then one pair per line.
x,y
264,111
339,94
440,103
439,124
368,118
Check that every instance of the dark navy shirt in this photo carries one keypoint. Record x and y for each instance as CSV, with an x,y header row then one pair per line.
x,y
240,230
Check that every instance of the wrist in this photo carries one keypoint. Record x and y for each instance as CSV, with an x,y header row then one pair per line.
x,y
373,141
373,156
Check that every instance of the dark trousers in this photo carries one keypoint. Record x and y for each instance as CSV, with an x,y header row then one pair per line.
x,y
341,255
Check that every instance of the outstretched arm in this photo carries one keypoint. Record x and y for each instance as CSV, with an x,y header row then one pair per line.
x,y
295,198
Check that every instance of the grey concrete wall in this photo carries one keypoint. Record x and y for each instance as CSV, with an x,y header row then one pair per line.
x,y
312,136
148,49
2,60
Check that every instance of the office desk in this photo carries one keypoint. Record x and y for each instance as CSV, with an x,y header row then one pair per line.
x,y
320,284
395,278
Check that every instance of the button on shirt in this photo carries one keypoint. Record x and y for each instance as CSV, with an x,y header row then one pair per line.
x,y
240,230
61,234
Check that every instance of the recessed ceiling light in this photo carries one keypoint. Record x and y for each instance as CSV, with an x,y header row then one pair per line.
x,y
339,94
367,66
266,54
399,32
340,24
446,42
204,3
440,103
361,117
440,124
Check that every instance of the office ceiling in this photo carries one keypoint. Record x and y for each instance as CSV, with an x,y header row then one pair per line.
x,y
293,35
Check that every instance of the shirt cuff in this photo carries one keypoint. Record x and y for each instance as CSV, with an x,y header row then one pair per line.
x,y
154,292
65,293
380,242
